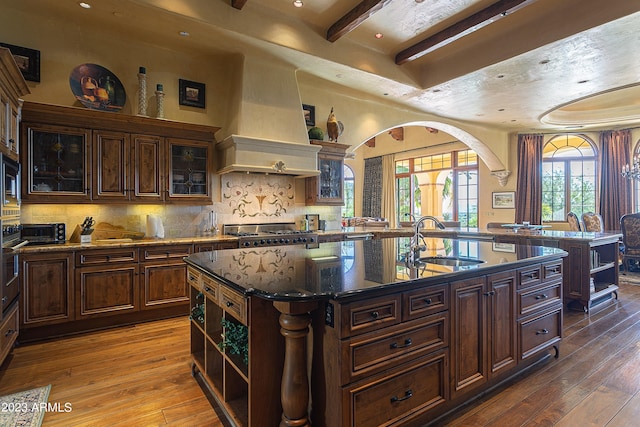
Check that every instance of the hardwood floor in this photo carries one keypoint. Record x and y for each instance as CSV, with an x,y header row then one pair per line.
x,y
141,376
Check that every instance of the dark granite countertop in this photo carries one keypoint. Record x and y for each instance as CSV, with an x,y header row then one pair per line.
x,y
351,268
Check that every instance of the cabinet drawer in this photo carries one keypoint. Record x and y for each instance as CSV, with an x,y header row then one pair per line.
x,y
233,303
8,331
210,287
529,276
193,277
538,298
166,252
374,352
364,316
552,270
423,302
540,332
106,256
388,400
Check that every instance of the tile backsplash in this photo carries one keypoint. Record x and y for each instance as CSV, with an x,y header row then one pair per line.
x,y
238,199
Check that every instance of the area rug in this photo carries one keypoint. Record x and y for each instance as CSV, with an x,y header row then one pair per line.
x,y
24,409
630,278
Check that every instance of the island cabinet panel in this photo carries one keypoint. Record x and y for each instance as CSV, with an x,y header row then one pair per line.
x,y
469,334
47,292
247,388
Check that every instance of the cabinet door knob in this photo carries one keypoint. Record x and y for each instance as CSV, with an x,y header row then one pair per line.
x,y
375,314
229,303
10,332
428,300
542,332
407,395
407,343
490,293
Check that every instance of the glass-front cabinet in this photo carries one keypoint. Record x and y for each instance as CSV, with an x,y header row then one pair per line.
x,y
188,170
57,163
327,187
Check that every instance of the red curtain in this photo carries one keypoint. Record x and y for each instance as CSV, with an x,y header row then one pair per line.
x,y
615,190
529,183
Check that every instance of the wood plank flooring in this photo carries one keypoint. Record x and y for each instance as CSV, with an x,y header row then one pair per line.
x,y
141,376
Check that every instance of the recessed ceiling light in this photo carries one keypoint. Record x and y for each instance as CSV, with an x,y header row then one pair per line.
x,y
500,76
545,61
85,5
379,35
436,90
419,1
184,33
501,109
298,3
583,81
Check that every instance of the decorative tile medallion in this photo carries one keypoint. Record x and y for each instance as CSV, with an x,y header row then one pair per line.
x,y
258,195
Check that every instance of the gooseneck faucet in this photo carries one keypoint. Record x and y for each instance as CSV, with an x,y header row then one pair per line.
x,y
417,241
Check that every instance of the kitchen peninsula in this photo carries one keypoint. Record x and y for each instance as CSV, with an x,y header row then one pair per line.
x,y
392,342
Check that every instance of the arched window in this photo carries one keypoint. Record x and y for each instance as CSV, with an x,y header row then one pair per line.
x,y
568,177
348,210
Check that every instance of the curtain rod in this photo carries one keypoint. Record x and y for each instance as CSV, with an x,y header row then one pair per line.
x,y
574,132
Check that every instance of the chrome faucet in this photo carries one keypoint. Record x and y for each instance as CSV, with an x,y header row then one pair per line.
x,y
417,241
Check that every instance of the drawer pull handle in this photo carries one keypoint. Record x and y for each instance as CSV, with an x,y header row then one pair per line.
x,y
407,394
407,343
531,276
542,296
4,300
10,332
229,303
208,289
428,300
375,314
490,293
542,332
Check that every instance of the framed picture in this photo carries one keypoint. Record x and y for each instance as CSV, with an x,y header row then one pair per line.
x,y
309,114
504,247
192,94
504,200
28,61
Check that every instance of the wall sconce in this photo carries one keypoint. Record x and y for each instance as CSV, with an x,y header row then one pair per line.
x,y
279,167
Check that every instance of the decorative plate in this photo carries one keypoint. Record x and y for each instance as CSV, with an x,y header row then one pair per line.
x,y
97,88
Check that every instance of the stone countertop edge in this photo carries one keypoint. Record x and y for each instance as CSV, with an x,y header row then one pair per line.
x,y
68,246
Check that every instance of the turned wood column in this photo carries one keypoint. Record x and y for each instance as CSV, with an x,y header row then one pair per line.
x,y
294,326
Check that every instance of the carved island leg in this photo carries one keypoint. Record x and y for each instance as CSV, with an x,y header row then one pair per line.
x,y
294,322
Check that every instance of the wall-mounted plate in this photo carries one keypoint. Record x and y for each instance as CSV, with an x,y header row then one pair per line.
x,y
97,88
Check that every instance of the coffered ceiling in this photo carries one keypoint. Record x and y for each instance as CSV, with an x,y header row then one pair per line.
x,y
514,64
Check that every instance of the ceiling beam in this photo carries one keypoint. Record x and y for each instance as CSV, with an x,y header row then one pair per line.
x,y
238,4
462,28
354,17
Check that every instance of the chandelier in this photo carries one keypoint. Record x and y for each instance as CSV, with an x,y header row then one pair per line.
x,y
632,172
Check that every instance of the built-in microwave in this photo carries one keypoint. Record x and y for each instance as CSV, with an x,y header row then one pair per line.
x,y
10,187
44,234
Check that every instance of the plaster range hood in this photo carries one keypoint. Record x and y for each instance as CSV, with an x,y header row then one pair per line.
x,y
250,154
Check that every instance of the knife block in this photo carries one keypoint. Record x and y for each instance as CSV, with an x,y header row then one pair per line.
x,y
80,236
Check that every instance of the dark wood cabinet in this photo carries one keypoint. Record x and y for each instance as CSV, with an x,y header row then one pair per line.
x,y
328,187
12,88
106,282
163,274
47,291
81,155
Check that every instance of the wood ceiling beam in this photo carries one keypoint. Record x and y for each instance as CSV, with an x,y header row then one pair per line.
x,y
462,28
238,4
354,17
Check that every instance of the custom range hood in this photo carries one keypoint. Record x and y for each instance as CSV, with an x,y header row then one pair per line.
x,y
265,130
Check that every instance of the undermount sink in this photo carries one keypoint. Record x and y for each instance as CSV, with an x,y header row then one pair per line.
x,y
452,261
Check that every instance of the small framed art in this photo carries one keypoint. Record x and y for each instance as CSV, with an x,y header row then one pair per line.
x,y
28,61
504,200
309,114
192,94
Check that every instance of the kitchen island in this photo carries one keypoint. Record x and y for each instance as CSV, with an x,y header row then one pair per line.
x,y
390,342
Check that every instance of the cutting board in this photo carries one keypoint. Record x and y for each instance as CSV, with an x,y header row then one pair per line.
x,y
104,230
